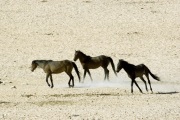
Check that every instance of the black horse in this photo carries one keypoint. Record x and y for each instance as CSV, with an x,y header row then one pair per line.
x,y
136,71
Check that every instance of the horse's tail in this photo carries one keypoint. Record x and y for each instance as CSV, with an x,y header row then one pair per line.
x,y
77,71
112,64
153,75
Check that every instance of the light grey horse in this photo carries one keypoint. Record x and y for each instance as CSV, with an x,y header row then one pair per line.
x,y
54,67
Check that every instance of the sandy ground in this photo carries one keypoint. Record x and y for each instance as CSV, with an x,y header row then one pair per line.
x,y
139,31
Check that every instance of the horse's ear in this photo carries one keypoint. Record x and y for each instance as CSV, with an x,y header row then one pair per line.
x,y
34,62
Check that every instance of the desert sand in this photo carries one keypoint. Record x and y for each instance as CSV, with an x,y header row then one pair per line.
x,y
139,31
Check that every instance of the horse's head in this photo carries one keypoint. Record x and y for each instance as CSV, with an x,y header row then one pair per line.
x,y
76,55
33,65
119,65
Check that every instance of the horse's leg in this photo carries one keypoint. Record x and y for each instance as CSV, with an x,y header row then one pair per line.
x,y
47,76
132,81
52,85
106,71
149,82
72,78
144,83
69,83
84,74
105,74
89,74
138,86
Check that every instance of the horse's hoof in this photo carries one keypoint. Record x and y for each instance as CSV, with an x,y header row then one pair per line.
x,y
70,86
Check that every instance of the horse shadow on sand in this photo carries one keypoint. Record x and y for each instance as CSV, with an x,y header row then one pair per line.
x,y
164,93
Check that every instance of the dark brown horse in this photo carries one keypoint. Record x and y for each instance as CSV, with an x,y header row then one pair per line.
x,y
54,67
89,62
136,71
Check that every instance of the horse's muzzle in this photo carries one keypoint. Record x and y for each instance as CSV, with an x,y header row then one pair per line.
x,y
32,70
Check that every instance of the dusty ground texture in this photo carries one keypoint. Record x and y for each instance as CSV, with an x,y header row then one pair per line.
x,y
139,31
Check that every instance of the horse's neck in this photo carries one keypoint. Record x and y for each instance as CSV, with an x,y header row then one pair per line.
x,y
41,64
128,68
84,58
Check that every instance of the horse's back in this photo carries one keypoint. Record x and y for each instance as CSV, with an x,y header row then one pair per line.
x,y
100,58
140,70
140,66
59,66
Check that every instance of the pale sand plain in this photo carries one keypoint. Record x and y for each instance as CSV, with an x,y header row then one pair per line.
x,y
139,31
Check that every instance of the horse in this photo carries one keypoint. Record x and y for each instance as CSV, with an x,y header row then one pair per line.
x,y
89,62
54,67
136,71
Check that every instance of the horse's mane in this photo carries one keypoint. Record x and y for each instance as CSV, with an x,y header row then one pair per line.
x,y
41,61
87,56
81,53
123,61
126,62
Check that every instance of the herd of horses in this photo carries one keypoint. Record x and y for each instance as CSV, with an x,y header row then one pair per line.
x,y
54,67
